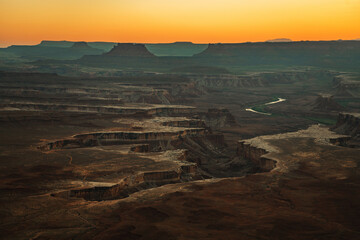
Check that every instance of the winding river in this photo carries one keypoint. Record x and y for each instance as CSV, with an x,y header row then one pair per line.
x,y
279,100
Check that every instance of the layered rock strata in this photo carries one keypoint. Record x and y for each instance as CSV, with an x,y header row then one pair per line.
x,y
264,154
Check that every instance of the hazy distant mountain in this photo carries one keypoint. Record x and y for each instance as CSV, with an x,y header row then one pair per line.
x,y
357,39
59,50
105,46
280,40
339,54
280,48
179,49
329,54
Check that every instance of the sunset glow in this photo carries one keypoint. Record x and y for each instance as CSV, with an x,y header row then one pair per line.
x,y
201,21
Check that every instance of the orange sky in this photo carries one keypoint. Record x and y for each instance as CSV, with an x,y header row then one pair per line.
x,y
30,21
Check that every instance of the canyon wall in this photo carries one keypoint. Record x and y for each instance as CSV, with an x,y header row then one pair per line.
x,y
258,79
142,180
256,155
348,123
218,118
116,138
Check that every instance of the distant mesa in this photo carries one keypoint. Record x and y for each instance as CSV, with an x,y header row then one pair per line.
x,y
280,40
64,44
294,53
176,49
105,46
81,45
129,50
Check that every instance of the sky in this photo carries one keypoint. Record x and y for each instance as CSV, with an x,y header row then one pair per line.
x,y
154,21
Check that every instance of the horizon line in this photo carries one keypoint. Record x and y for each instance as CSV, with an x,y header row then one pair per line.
x,y
97,41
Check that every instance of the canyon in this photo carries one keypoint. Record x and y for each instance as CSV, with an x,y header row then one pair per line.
x,y
138,142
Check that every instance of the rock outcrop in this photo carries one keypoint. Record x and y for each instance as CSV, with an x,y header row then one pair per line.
x,y
326,102
265,155
256,155
218,118
186,171
131,185
349,124
129,50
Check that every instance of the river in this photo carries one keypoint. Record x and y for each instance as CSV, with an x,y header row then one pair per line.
x,y
279,100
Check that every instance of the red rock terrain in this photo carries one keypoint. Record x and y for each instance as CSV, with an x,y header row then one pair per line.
x,y
85,159
301,198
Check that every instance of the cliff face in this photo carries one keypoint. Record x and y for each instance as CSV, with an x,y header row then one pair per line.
x,y
255,155
129,50
129,185
218,118
184,171
267,156
117,138
349,124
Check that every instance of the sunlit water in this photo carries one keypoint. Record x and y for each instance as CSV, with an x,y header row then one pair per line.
x,y
269,103
277,101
